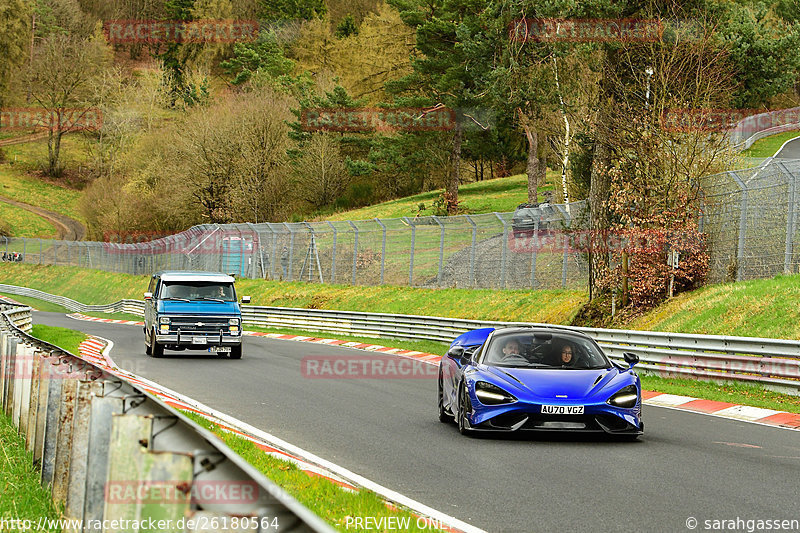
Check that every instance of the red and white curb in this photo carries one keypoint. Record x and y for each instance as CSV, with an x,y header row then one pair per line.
x,y
744,413
98,350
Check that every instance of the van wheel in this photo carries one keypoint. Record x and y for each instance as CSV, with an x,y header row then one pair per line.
x,y
157,350
236,352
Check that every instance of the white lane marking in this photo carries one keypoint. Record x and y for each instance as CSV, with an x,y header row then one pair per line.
x,y
669,400
739,444
765,424
314,460
745,412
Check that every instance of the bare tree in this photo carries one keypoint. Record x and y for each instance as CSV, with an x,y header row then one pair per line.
x,y
61,80
320,174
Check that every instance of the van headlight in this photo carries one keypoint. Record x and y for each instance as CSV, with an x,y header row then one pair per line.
x,y
234,325
625,397
164,320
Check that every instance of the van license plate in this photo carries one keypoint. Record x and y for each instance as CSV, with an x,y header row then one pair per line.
x,y
220,349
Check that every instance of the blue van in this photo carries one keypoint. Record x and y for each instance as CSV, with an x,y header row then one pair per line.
x,y
192,311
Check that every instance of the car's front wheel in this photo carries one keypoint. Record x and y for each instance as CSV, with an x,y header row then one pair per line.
x,y
444,416
464,407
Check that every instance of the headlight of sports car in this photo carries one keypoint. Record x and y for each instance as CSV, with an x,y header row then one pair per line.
x,y
490,394
625,397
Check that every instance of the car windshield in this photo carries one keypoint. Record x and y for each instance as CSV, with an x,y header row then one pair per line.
x,y
197,290
544,350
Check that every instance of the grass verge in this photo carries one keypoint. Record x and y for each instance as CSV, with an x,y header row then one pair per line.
x,y
23,223
322,496
64,338
23,497
37,304
499,194
97,287
767,146
738,393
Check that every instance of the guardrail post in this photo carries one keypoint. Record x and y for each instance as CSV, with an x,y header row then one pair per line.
x,y
441,249
411,260
103,407
76,487
742,225
54,383
333,253
383,248
504,251
472,250
63,455
355,250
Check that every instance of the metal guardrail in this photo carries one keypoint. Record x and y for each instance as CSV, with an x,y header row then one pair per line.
x,y
110,451
770,362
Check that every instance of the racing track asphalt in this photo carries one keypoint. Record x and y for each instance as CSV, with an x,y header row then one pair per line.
x,y
790,151
686,465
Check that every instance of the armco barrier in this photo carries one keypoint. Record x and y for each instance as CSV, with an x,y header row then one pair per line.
x,y
110,451
770,362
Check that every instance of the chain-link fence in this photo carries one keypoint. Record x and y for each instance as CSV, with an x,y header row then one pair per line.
x,y
459,251
749,216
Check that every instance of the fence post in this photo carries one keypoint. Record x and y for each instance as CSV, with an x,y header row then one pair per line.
x,y
291,252
333,253
505,248
567,223
742,225
411,260
441,250
533,253
355,250
472,250
787,260
383,247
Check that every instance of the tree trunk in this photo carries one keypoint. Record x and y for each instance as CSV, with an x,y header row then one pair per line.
x,y
455,170
532,169
599,192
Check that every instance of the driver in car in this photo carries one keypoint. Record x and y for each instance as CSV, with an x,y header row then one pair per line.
x,y
512,352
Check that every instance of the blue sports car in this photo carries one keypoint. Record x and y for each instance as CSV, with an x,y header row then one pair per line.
x,y
540,379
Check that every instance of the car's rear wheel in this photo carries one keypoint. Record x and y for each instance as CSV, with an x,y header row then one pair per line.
x,y
444,416
236,352
464,407
156,350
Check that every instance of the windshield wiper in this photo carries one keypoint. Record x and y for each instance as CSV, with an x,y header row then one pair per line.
x,y
174,298
211,299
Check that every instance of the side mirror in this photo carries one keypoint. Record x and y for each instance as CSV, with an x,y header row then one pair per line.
x,y
245,299
456,352
630,358
148,296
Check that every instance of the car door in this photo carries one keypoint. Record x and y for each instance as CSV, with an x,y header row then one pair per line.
x,y
150,305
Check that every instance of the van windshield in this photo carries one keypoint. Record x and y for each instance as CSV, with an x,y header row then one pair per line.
x,y
198,290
